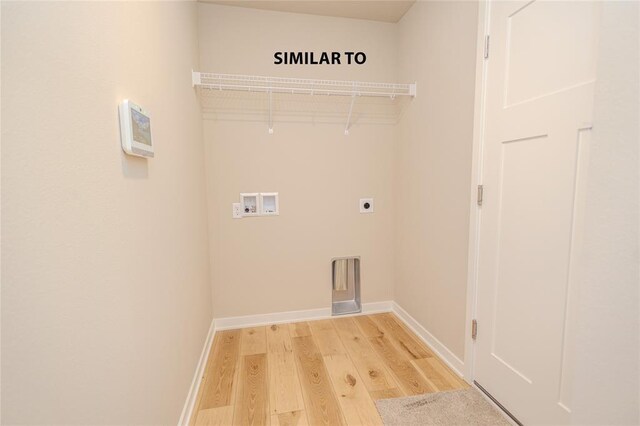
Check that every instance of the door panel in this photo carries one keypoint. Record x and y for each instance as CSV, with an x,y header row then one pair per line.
x,y
540,80
549,48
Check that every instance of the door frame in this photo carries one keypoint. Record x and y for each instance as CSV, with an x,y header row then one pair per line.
x,y
484,11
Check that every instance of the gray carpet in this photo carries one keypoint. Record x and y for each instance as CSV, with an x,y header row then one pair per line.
x,y
461,407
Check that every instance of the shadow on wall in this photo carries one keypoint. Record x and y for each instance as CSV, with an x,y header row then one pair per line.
x,y
134,167
299,108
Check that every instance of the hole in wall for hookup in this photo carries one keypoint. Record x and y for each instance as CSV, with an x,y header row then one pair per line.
x,y
345,285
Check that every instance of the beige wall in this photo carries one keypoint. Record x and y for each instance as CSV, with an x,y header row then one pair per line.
x,y
606,388
437,42
274,264
105,294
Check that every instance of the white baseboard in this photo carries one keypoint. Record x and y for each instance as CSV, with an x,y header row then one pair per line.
x,y
190,403
230,323
429,339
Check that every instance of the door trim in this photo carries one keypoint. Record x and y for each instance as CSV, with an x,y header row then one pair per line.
x,y
484,9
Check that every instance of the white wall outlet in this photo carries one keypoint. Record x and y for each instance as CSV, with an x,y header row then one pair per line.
x,y
237,211
366,205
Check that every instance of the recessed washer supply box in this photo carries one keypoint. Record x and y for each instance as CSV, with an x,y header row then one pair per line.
x,y
257,204
269,203
250,204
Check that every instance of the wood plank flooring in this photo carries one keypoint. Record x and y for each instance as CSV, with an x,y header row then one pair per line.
x,y
326,372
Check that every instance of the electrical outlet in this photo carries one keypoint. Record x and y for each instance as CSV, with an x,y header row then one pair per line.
x,y
366,205
237,211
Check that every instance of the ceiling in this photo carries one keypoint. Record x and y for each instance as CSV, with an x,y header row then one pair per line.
x,y
375,10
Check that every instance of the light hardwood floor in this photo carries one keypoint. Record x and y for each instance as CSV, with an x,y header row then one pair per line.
x,y
326,372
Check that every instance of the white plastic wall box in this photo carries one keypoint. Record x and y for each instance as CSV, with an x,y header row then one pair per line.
x,y
250,203
269,205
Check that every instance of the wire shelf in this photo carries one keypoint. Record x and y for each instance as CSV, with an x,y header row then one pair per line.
x,y
210,83
255,83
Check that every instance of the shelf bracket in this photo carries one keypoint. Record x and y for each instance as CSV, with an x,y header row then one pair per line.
x,y
270,112
196,79
353,100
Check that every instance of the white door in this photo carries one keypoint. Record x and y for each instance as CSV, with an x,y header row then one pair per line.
x,y
539,99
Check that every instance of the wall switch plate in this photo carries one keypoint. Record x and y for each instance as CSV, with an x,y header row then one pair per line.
x,y
237,211
366,205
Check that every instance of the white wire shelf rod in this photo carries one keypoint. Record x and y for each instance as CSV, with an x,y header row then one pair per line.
x,y
292,85
301,90
212,78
